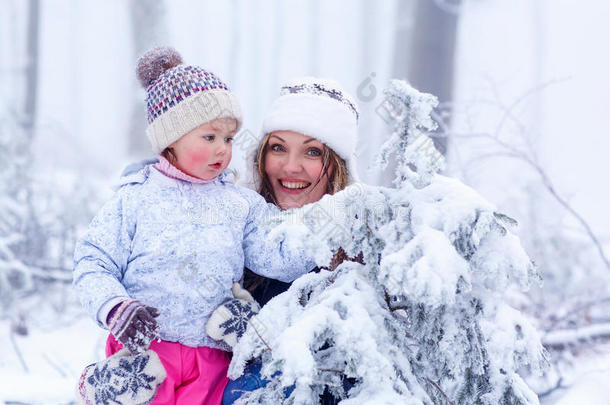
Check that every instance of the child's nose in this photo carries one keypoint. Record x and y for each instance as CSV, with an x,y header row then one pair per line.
x,y
222,148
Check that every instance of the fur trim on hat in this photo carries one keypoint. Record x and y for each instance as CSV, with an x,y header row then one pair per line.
x,y
319,108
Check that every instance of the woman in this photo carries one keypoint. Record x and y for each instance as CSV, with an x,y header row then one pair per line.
x,y
307,150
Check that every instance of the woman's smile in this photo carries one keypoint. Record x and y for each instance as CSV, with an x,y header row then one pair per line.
x,y
294,185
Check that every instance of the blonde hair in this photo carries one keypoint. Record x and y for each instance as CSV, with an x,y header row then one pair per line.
x,y
333,167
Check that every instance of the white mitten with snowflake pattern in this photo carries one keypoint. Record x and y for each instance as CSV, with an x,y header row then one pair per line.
x,y
229,321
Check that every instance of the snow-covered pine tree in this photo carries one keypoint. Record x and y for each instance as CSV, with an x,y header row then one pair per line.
x,y
15,277
424,320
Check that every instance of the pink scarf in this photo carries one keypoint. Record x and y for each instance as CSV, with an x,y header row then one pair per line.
x,y
165,167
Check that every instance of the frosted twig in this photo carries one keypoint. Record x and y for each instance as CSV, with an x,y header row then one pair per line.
x,y
508,110
547,183
55,366
19,355
331,370
532,161
259,336
440,390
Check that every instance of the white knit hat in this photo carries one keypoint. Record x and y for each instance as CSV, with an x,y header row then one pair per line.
x,y
180,97
319,108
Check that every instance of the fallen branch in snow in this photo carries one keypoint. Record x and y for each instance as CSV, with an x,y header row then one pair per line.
x,y
51,273
558,386
562,338
576,312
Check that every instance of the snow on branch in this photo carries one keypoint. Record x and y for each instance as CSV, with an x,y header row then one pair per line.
x,y
565,338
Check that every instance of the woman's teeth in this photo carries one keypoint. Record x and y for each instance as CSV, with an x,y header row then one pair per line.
x,y
292,185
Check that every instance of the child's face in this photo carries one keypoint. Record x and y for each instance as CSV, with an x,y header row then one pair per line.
x,y
205,152
293,165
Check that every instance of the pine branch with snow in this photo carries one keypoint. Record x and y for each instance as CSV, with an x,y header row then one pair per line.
x,y
424,320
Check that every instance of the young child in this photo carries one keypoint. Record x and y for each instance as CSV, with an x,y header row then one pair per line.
x,y
164,252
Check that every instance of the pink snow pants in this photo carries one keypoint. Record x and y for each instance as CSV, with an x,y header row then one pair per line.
x,y
195,375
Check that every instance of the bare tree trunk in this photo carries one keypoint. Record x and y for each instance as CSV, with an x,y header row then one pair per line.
x,y
431,67
314,37
400,66
235,44
148,25
31,70
278,43
402,39
32,245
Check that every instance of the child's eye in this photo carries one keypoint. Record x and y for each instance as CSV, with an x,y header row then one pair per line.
x,y
209,137
229,139
314,152
277,148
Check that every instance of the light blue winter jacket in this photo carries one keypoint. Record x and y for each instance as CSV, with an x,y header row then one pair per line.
x,y
179,247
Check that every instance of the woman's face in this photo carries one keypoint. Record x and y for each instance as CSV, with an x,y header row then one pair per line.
x,y
293,165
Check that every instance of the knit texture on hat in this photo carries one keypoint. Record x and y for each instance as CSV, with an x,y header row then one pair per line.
x,y
319,108
179,98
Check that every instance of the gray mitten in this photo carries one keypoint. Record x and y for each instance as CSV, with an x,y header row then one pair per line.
x,y
121,379
229,321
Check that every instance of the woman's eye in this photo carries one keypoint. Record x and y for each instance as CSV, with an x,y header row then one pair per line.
x,y
314,152
277,148
209,137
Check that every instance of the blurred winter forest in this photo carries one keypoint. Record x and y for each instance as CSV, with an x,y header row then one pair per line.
x,y
523,112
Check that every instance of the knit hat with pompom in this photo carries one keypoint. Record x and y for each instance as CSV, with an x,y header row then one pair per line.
x,y
179,97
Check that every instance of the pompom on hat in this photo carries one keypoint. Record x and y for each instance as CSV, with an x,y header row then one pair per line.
x,y
319,108
180,97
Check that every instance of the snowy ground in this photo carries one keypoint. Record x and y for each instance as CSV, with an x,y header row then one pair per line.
x,y
587,383
60,342
55,357
54,360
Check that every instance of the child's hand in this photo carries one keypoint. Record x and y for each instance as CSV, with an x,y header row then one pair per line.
x,y
133,324
229,321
